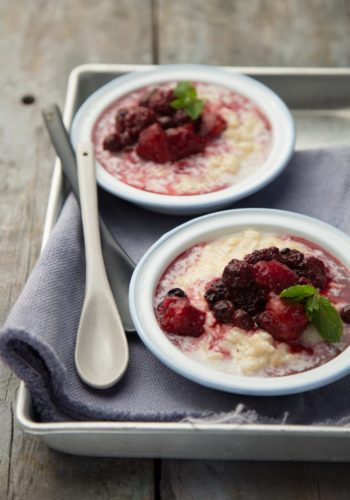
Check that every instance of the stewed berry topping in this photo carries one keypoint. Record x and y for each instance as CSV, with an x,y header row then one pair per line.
x,y
246,296
314,270
238,274
177,292
177,315
274,276
291,257
161,132
223,311
283,319
216,291
345,313
251,299
242,320
270,253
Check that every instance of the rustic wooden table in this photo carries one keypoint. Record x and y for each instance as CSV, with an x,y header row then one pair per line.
x,y
41,42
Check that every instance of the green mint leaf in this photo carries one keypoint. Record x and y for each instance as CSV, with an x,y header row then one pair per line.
x,y
195,109
327,321
186,99
312,305
299,293
185,88
177,103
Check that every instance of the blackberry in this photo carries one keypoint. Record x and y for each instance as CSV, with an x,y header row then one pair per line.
x,y
291,258
176,292
270,253
242,320
313,269
138,119
223,311
113,143
159,100
252,299
238,274
120,117
345,313
215,292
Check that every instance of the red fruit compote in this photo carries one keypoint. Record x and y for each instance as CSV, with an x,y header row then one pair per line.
x,y
219,302
144,142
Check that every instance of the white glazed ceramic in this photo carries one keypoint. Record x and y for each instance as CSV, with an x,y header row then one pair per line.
x,y
153,264
273,107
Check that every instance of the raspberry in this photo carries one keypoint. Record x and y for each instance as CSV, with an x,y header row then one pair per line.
x,y
313,269
113,142
177,292
283,319
271,253
274,276
345,313
184,142
223,311
251,299
153,145
212,125
216,291
291,258
242,320
159,100
177,315
238,274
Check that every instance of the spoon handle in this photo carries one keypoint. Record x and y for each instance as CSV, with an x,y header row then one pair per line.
x,y
96,272
118,264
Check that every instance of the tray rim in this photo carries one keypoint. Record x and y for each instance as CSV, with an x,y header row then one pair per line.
x,y
23,401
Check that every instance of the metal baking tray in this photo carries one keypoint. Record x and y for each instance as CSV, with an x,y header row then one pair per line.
x,y
320,103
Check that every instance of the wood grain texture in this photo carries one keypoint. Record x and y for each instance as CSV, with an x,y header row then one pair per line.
x,y
41,41
40,473
201,480
255,32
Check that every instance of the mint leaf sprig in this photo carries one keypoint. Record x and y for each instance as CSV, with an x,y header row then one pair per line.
x,y
186,99
318,309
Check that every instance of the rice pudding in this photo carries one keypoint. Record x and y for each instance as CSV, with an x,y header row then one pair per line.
x,y
239,145
249,343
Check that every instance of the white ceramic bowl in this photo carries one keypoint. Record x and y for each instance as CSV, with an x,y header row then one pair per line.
x,y
276,111
210,227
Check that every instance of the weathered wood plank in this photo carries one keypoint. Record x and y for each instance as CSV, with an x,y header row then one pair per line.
x,y
209,480
41,41
255,32
38,473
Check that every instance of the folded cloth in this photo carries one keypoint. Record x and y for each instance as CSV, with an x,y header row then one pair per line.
x,y
38,339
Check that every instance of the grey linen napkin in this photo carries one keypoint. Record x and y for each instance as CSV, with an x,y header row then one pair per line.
x,y
38,339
